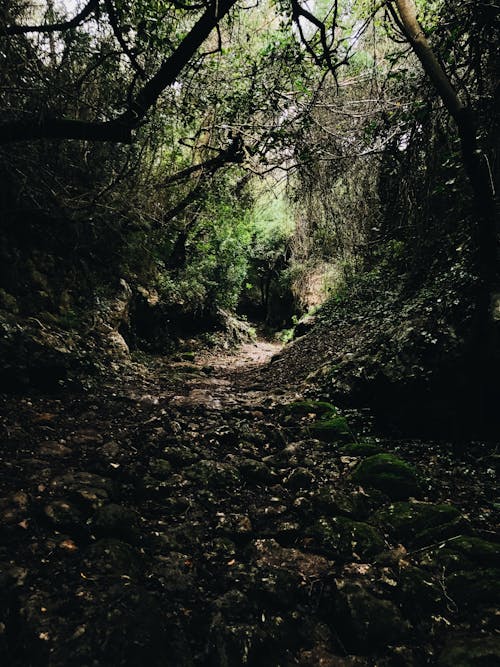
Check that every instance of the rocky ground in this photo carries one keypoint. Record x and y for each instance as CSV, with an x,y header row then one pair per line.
x,y
199,512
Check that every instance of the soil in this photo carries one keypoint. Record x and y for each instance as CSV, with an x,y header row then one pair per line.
x,y
182,513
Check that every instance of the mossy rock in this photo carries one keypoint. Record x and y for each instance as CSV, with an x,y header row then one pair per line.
x,y
347,538
188,356
364,622
330,429
469,588
160,468
211,474
442,532
304,408
388,474
404,520
360,449
418,594
471,652
332,502
465,552
256,472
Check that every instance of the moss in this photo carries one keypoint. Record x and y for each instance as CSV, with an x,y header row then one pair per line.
x,y
389,474
471,652
331,429
466,550
405,520
303,408
347,538
360,449
116,521
188,356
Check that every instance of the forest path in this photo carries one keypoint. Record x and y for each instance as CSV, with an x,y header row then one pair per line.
x,y
182,513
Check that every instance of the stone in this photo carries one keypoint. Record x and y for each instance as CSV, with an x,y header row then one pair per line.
x,y
331,429
360,449
300,478
63,514
114,558
160,468
364,622
348,539
418,594
256,472
304,408
471,652
212,474
470,588
465,552
404,520
388,474
116,521
180,455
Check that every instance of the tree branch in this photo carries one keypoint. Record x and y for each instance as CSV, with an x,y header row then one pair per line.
x,y
52,27
120,129
113,20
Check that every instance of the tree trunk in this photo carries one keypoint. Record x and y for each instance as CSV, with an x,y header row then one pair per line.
x,y
485,210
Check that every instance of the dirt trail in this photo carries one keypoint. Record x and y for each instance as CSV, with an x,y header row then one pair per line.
x,y
181,514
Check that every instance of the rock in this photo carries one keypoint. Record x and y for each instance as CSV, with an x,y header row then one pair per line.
x,y
348,539
212,474
331,502
470,588
305,408
187,356
330,429
180,455
114,558
464,552
404,520
91,490
471,652
418,594
63,515
160,468
127,628
360,449
54,449
364,622
300,478
256,472
389,474
116,521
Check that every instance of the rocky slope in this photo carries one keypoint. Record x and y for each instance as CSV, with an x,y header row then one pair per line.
x,y
200,512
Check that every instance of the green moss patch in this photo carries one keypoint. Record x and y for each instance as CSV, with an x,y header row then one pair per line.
x,y
388,474
404,521
347,538
331,429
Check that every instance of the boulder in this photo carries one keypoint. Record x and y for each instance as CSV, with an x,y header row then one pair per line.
x,y
388,474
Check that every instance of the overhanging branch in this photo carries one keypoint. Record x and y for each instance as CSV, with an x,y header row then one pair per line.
x,y
52,27
120,129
